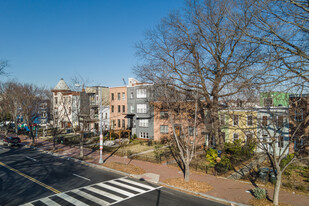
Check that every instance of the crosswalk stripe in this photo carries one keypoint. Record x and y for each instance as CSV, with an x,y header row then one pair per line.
x,y
91,197
49,202
116,189
101,192
71,199
109,193
136,183
127,186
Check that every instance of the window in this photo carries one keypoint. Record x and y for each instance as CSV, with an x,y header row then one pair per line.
x,y
280,141
163,129
56,100
123,108
119,123
113,124
178,129
92,100
44,115
191,131
112,108
249,137
141,93
222,134
235,120
123,124
141,108
113,96
143,122
298,115
118,95
264,121
222,119
265,138
235,136
119,109
143,135
132,95
268,102
280,121
105,116
249,120
163,115
123,95
132,108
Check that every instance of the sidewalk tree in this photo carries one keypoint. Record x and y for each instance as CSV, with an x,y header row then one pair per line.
x,y
10,103
202,49
282,27
182,113
30,98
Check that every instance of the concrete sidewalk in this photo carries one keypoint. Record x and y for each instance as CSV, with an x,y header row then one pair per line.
x,y
227,189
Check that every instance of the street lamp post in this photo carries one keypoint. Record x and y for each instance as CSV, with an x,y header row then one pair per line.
x,y
100,127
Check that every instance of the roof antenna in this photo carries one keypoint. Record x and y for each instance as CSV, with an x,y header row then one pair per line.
x,y
124,81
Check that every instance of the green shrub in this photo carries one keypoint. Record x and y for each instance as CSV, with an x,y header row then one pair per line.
x,y
259,193
223,166
211,156
286,160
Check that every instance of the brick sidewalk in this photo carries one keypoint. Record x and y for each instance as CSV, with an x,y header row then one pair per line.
x,y
231,190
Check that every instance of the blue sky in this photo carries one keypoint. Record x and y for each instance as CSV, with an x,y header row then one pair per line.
x,y
45,40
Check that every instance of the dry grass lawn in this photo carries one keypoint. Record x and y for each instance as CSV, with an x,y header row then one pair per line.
x,y
192,185
128,168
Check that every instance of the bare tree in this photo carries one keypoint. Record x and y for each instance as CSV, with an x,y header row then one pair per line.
x,y
282,26
3,65
10,102
201,49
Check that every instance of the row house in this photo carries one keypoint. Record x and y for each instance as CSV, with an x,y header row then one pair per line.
x,y
98,101
118,108
140,111
299,122
68,105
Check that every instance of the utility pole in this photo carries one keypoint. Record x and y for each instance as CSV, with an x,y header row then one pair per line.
x,y
100,126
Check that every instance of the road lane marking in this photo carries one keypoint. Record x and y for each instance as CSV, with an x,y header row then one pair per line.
x,y
79,196
101,192
49,202
31,178
127,186
71,199
82,177
90,197
136,183
30,158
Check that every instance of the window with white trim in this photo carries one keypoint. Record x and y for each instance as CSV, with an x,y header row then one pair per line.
x,y
235,136
143,122
141,108
143,135
163,129
141,93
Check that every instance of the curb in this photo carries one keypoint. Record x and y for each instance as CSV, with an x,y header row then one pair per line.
x,y
217,199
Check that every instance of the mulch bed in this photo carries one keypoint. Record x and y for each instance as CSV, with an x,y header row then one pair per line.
x,y
128,168
192,185
264,202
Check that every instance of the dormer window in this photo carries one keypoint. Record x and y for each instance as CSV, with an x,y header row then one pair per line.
x,y
268,102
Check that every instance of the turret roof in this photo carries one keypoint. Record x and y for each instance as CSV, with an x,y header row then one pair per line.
x,y
61,85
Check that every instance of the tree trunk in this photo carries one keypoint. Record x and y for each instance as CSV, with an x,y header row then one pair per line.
x,y
187,172
277,188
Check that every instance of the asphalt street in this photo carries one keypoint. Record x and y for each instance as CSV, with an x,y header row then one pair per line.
x,y
31,176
